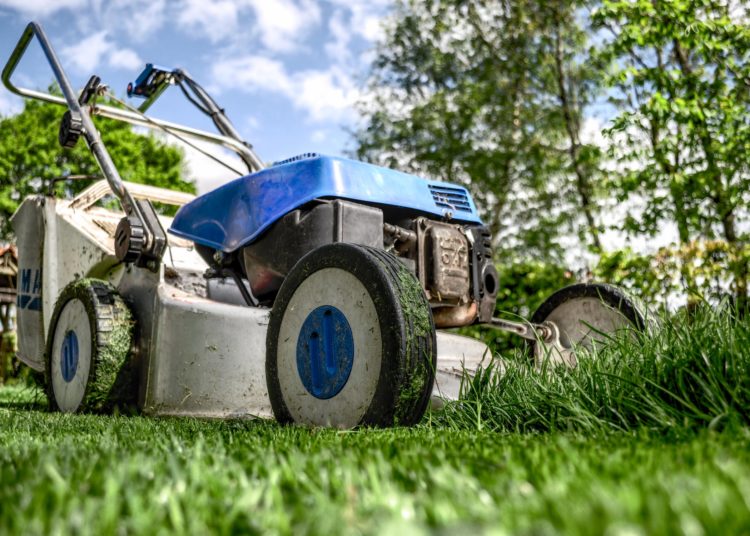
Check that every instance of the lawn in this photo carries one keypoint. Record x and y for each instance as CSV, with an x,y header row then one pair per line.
x,y
596,458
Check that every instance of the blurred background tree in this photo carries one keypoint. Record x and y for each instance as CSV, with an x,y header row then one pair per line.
x,y
31,159
496,95
680,78
491,95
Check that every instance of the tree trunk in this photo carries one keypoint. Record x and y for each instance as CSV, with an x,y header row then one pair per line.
x,y
719,197
572,127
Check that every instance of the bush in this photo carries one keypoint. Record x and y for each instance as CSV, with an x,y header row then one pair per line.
x,y
701,270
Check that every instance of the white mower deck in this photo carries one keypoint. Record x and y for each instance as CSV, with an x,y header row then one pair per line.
x,y
208,355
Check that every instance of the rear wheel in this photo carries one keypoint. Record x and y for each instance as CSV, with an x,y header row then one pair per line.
x,y
351,341
583,315
88,349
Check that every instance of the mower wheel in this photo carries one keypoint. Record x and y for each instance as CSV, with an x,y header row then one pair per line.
x,y
583,314
88,349
351,341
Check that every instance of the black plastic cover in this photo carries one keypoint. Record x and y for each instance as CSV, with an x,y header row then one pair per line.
x,y
270,258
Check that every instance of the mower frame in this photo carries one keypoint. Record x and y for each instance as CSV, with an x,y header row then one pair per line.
x,y
196,356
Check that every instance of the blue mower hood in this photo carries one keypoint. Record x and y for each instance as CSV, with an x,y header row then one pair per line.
x,y
236,213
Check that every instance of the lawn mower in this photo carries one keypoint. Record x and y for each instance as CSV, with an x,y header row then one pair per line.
x,y
316,290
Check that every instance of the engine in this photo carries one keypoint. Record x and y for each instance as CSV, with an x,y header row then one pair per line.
x,y
452,261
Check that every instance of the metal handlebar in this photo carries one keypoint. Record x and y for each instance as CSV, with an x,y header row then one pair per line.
x,y
222,122
71,101
237,145
140,237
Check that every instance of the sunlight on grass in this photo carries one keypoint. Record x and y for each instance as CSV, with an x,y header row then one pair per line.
x,y
646,436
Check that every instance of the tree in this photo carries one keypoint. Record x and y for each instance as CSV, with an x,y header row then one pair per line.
x,y
682,74
31,158
576,85
492,95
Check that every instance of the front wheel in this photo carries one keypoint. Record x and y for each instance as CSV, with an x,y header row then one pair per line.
x,y
351,341
88,364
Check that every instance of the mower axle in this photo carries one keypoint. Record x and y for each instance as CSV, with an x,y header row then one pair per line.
x,y
527,330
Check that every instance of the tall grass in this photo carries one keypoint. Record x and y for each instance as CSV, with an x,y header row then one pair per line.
x,y
689,372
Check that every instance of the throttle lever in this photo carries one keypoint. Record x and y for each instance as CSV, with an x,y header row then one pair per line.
x,y
89,90
71,126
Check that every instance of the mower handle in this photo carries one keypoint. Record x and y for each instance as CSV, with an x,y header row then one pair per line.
x,y
71,102
33,28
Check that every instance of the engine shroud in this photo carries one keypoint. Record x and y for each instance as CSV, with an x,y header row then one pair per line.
x,y
238,213
452,261
261,225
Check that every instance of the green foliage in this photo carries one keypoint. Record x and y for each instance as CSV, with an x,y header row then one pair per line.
x,y
31,158
649,277
524,285
700,270
680,70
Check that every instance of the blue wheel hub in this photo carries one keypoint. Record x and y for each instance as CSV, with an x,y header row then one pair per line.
x,y
325,352
69,356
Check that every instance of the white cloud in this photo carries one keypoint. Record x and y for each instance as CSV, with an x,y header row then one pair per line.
x,y
280,25
87,55
368,24
125,59
214,19
354,19
366,16
206,172
252,73
138,18
326,95
251,123
41,8
338,48
9,104
283,23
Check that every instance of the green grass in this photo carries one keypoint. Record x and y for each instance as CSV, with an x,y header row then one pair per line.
x,y
651,437
688,373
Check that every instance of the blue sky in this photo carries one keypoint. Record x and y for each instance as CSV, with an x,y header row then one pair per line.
x,y
287,71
